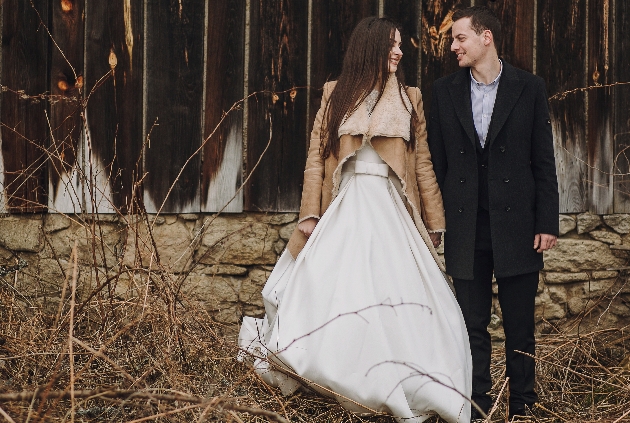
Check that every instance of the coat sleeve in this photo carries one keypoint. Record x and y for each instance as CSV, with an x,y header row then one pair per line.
x,y
544,166
314,172
436,144
430,194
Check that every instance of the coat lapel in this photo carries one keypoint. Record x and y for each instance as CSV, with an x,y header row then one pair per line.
x,y
460,94
509,91
390,117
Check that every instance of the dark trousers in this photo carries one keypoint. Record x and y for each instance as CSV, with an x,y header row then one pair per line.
x,y
516,297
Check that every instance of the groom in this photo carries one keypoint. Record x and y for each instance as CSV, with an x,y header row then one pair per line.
x,y
492,149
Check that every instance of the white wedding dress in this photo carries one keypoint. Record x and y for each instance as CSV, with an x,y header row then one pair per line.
x,y
364,314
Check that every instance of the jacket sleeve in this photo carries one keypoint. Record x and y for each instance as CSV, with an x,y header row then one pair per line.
x,y
314,172
544,166
430,195
436,144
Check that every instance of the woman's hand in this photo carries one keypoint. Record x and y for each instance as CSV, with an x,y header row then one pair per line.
x,y
307,226
436,238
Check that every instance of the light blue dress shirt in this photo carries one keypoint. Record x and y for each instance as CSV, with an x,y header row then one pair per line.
x,y
482,97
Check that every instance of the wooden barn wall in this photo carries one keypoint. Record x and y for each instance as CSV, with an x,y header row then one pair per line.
x,y
123,105
621,101
24,132
114,55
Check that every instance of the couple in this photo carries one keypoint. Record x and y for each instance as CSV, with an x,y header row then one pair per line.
x,y
358,306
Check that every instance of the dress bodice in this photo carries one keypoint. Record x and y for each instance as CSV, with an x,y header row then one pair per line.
x,y
366,154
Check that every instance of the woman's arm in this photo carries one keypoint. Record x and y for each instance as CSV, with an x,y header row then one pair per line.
x,y
430,195
314,173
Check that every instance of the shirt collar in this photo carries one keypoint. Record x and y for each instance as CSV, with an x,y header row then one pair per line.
x,y
496,80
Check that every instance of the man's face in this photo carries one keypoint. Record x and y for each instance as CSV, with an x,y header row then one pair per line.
x,y
469,46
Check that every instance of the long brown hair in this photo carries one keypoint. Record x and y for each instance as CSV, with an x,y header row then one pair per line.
x,y
365,65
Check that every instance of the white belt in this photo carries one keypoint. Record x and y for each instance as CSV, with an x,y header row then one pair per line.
x,y
368,168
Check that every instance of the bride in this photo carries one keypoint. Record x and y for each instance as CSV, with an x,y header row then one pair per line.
x,y
357,306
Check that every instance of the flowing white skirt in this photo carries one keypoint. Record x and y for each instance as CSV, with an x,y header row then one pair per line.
x,y
364,313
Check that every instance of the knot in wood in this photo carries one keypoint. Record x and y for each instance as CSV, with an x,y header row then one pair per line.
x,y
113,60
66,5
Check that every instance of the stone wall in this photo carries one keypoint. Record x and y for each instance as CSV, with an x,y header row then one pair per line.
x,y
222,262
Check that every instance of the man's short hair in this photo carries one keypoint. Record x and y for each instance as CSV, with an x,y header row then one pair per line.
x,y
481,19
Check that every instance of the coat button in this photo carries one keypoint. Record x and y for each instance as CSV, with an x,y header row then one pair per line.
x,y
462,151
461,210
507,208
506,180
484,166
462,180
502,149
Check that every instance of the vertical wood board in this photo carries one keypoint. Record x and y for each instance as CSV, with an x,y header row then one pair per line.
x,y
600,108
277,71
560,53
222,153
24,130
174,86
66,176
621,135
114,59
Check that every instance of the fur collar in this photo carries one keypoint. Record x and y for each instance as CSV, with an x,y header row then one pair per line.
x,y
390,117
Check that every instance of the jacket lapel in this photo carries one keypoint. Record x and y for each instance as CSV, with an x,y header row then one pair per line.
x,y
509,91
459,90
390,117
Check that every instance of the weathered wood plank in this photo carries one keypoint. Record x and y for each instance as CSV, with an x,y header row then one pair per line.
x,y
174,89
24,130
66,81
560,53
405,13
331,27
437,59
600,108
113,75
223,152
277,72
517,26
622,107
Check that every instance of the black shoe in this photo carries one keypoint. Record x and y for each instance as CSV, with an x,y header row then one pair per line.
x,y
518,410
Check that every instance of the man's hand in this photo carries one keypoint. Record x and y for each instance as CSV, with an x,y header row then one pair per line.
x,y
544,242
307,226
436,238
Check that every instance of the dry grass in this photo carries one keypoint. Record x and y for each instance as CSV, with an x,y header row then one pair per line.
x,y
157,355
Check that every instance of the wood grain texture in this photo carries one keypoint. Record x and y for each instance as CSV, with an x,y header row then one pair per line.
x,y
174,89
621,136
437,59
66,81
600,108
517,26
561,47
277,72
222,154
405,13
113,76
24,130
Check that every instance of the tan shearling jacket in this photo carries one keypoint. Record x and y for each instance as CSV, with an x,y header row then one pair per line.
x,y
385,130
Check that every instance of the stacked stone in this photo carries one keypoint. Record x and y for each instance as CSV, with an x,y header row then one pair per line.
x,y
223,261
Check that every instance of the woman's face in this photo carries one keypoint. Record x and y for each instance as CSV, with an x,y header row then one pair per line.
x,y
395,54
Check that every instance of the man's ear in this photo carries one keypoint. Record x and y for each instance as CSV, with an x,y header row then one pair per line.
x,y
488,38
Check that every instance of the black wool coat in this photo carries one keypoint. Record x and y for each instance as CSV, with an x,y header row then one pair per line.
x,y
522,182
